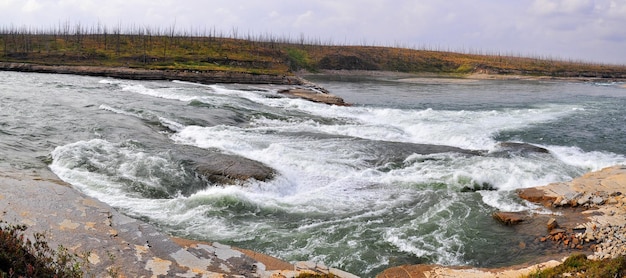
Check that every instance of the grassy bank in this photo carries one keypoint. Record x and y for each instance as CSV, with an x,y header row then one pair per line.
x,y
167,49
579,266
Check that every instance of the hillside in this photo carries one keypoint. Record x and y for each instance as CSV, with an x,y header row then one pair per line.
x,y
267,55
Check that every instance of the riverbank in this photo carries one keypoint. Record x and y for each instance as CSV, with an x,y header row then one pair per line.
x,y
109,244
296,86
588,215
449,78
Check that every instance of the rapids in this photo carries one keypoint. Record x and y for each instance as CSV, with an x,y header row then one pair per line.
x,y
355,187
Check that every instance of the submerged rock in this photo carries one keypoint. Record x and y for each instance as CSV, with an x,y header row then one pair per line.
x,y
506,149
522,147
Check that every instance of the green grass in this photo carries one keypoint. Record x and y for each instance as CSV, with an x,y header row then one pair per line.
x,y
579,266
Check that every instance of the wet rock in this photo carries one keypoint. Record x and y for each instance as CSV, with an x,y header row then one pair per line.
x,y
506,149
215,167
314,95
536,196
522,147
229,169
508,218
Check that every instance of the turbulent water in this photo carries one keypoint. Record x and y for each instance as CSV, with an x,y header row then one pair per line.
x,y
350,190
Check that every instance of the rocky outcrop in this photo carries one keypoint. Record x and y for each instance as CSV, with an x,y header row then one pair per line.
x,y
591,212
597,205
110,244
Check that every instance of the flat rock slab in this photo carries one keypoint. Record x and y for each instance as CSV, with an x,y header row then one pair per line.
x,y
111,244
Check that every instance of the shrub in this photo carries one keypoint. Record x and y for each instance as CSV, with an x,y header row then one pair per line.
x,y
21,257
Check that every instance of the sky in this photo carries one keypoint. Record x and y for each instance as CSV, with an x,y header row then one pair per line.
x,y
582,30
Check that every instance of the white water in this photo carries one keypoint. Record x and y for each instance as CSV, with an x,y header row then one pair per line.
x,y
326,182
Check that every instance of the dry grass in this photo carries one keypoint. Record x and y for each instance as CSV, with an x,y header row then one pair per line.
x,y
170,50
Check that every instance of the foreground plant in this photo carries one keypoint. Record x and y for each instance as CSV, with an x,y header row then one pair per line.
x,y
579,266
22,257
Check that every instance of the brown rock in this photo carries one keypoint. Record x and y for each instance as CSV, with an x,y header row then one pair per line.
x,y
552,224
556,232
315,96
536,196
508,218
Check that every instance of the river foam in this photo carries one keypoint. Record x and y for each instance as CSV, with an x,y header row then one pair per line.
x,y
346,191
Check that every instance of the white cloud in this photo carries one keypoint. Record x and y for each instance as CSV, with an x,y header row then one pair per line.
x,y
31,6
563,27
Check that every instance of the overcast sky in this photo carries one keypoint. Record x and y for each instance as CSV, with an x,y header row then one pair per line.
x,y
589,30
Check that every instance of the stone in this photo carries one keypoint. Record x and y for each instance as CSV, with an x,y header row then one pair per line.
x,y
559,201
556,231
597,200
508,218
552,224
314,96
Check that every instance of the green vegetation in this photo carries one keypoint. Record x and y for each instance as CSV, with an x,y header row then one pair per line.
x,y
208,50
579,266
21,257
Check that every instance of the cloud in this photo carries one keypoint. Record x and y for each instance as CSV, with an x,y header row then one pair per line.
x,y
551,7
564,27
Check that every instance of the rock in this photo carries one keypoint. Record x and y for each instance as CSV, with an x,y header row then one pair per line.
x,y
584,199
229,169
315,96
597,200
522,148
552,224
218,168
556,232
508,218
560,201
536,196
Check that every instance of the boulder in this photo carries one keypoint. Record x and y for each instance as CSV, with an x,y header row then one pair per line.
x,y
508,218
552,224
314,95
215,167
230,169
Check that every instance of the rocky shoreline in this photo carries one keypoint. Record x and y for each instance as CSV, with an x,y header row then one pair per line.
x,y
588,216
109,244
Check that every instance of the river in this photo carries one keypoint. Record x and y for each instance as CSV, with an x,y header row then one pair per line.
x,y
350,189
